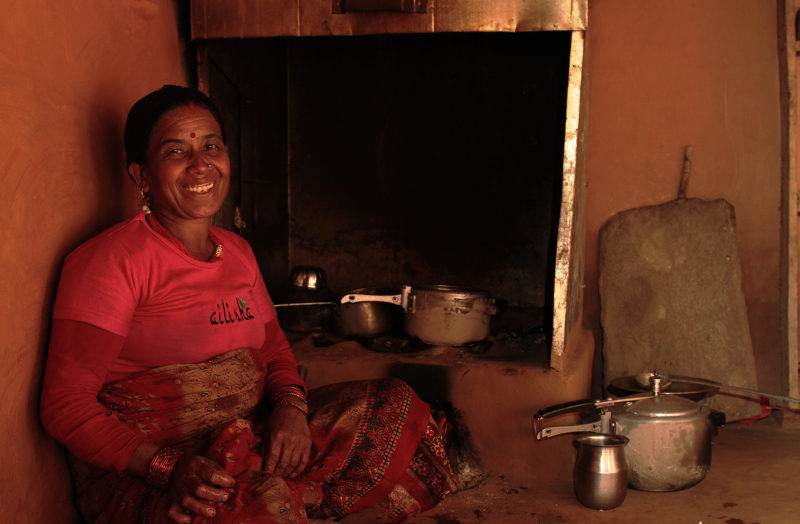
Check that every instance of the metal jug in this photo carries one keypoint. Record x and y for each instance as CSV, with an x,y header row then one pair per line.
x,y
600,476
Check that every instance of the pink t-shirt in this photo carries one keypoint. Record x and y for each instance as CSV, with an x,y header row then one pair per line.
x,y
171,308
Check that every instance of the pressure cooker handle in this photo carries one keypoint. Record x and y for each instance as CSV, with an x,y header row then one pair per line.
x,y
357,297
576,406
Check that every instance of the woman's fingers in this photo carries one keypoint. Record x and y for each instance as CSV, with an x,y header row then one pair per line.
x,y
197,507
282,454
176,514
274,454
289,442
293,456
299,465
304,458
293,452
212,474
195,486
204,491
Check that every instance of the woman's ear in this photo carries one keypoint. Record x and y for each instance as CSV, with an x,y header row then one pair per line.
x,y
136,172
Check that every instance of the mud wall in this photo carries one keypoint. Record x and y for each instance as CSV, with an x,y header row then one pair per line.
x,y
68,73
667,74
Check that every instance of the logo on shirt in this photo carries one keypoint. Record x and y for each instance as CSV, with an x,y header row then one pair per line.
x,y
230,314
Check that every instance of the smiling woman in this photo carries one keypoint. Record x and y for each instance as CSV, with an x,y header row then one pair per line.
x,y
174,388
184,169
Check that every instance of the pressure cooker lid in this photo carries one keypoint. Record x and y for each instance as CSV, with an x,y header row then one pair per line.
x,y
664,406
453,290
629,385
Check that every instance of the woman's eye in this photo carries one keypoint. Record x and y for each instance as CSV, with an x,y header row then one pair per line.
x,y
212,147
175,151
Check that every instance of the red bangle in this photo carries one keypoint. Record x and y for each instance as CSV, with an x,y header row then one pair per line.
x,y
161,466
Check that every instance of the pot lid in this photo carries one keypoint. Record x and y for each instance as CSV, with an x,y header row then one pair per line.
x,y
663,407
633,384
454,290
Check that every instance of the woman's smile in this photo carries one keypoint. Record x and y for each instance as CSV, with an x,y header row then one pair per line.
x,y
187,169
200,189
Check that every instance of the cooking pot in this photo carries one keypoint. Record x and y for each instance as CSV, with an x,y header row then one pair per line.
x,y
367,319
669,436
440,315
309,277
308,305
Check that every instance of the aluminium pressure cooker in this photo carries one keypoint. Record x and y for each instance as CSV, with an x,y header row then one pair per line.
x,y
669,436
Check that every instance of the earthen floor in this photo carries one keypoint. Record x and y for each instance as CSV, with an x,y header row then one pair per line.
x,y
754,478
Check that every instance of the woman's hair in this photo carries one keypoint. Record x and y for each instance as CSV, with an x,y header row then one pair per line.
x,y
144,115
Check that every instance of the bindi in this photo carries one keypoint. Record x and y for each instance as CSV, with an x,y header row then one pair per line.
x,y
192,134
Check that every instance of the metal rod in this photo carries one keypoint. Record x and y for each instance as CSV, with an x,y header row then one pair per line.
x,y
293,304
599,404
735,389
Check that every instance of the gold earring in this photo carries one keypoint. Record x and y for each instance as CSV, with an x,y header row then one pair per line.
x,y
145,198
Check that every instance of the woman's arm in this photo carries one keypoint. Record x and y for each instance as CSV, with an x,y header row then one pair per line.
x,y
77,365
281,365
289,440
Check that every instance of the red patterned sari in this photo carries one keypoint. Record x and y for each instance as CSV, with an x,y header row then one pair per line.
x,y
374,444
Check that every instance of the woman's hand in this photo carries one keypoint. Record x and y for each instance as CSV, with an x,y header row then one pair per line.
x,y
196,482
288,445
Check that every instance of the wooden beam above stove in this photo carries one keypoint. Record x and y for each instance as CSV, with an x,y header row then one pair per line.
x,y
259,19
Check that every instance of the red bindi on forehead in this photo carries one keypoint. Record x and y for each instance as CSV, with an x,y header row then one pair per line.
x,y
192,134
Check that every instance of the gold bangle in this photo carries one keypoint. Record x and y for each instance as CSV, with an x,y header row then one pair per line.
x,y
301,406
289,390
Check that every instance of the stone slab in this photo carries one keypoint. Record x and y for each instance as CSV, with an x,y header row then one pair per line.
x,y
671,297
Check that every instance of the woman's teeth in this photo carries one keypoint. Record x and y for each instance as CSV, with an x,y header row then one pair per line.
x,y
200,188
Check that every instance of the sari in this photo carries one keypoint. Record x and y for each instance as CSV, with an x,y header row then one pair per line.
x,y
374,444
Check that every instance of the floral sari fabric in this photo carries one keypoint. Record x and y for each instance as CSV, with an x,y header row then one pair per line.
x,y
374,445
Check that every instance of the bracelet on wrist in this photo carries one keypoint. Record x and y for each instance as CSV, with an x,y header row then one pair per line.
x,y
290,394
291,402
161,466
293,391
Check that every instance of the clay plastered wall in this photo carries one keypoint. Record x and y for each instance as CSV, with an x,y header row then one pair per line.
x,y
68,73
700,72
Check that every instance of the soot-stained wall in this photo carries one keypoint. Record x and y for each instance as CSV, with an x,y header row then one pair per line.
x,y
69,71
428,159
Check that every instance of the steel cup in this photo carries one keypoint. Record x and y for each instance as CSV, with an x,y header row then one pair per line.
x,y
600,476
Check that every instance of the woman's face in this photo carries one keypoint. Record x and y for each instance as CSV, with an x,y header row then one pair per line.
x,y
187,170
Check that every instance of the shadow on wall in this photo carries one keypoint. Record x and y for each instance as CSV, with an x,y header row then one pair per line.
x,y
116,192
433,385
115,200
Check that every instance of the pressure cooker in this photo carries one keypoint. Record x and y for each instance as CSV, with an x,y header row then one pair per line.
x,y
669,436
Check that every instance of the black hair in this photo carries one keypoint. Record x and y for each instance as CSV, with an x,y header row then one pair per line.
x,y
144,115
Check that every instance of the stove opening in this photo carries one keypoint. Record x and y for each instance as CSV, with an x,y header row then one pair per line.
x,y
402,159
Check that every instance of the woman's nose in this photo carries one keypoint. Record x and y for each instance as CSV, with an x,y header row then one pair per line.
x,y
199,162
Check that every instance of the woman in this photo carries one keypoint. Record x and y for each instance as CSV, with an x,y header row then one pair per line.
x,y
172,385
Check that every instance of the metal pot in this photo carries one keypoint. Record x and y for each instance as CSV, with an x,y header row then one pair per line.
x,y
440,315
308,305
670,436
309,277
367,319
600,474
